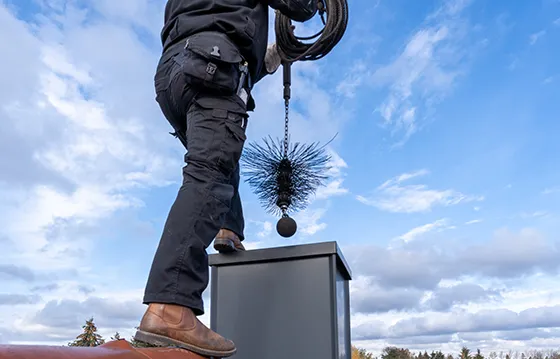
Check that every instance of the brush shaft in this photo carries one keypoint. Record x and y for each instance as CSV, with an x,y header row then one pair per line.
x,y
287,66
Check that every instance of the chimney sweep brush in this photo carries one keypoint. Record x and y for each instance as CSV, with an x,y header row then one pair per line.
x,y
284,175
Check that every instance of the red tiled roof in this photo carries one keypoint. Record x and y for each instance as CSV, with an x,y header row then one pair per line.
x,y
118,349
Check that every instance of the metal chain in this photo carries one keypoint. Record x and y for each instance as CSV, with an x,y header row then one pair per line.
x,y
286,105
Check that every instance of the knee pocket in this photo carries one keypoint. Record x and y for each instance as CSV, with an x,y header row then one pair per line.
x,y
216,132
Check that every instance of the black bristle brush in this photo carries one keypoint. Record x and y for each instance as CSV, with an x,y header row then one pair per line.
x,y
284,176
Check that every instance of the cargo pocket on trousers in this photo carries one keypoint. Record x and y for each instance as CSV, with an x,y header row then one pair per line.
x,y
202,133
232,117
211,63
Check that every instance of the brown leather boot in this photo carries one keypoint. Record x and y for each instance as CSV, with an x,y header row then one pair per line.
x,y
227,241
175,325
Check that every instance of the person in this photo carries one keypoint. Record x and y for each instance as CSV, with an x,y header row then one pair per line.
x,y
214,52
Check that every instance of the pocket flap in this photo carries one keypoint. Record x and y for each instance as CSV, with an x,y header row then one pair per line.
x,y
229,104
215,46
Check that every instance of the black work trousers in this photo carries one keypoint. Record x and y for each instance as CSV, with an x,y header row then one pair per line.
x,y
208,199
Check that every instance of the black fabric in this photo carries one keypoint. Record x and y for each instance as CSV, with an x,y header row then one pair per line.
x,y
298,10
245,22
208,198
211,61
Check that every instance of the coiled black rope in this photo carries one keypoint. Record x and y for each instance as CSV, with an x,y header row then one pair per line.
x,y
334,15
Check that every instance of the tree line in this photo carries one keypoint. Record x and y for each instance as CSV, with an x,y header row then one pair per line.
x,y
91,338
465,353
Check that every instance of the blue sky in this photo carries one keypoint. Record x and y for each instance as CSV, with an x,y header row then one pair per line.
x,y
444,194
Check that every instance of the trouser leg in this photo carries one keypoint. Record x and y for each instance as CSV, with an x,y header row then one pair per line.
x,y
215,137
234,218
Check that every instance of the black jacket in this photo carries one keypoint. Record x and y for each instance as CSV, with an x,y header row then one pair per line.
x,y
244,21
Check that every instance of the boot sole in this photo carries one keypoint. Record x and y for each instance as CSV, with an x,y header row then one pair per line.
x,y
224,245
161,341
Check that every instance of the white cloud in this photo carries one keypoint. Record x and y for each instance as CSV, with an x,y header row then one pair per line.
x,y
548,80
415,296
473,221
251,245
416,232
336,174
309,221
425,71
333,188
534,214
521,254
59,320
393,196
267,229
257,233
481,321
551,190
100,156
556,22
513,64
354,79
536,36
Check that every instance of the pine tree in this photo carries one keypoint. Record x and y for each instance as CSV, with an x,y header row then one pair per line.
x,y
89,337
465,353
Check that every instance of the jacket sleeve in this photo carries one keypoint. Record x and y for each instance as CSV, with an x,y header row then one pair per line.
x,y
297,10
263,73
